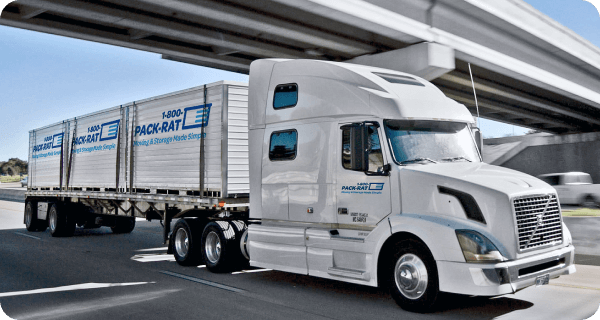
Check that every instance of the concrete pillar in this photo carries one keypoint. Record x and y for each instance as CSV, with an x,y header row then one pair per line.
x,y
427,60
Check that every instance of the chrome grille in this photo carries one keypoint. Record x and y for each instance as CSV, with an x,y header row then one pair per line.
x,y
539,221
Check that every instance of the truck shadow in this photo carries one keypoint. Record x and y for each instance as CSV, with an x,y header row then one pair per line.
x,y
480,307
451,306
83,232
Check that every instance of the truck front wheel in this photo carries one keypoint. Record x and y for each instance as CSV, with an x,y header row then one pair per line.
x,y
60,222
186,243
412,277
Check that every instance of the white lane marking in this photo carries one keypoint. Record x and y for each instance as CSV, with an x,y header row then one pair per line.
x,y
205,282
83,286
252,271
140,219
94,305
202,266
28,236
3,315
153,257
154,249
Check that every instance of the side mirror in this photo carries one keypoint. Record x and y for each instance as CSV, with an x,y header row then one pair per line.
x,y
478,138
384,170
359,147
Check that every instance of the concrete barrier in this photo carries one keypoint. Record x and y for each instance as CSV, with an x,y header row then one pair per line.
x,y
12,195
540,153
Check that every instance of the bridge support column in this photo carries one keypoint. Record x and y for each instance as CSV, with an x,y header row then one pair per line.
x,y
427,60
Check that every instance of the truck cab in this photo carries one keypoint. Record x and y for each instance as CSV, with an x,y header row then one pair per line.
x,y
373,176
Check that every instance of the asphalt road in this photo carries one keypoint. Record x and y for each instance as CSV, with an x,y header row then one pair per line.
x,y
12,192
586,238
100,275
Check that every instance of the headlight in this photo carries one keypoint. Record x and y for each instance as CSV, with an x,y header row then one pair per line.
x,y
477,248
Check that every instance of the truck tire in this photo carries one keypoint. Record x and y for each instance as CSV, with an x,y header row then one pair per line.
x,y
244,245
241,246
61,223
123,225
186,242
218,249
32,223
412,278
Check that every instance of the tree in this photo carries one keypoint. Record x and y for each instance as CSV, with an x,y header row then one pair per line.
x,y
14,166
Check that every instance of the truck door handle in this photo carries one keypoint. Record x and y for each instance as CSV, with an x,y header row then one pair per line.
x,y
342,210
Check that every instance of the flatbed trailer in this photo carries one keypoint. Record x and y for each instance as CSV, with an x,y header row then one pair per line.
x,y
183,154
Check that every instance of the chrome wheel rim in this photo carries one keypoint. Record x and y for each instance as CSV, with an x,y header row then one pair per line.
x,y
213,247
182,242
53,219
244,245
28,216
411,276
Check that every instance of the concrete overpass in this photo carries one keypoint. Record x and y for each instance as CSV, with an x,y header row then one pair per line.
x,y
529,70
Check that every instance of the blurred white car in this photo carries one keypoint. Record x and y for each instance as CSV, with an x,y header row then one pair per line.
x,y
574,188
24,182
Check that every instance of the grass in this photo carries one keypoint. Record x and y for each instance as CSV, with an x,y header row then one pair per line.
x,y
6,179
582,212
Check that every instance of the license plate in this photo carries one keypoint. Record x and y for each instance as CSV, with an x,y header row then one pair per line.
x,y
542,280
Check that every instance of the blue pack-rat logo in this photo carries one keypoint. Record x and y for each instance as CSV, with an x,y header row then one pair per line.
x,y
364,188
196,117
109,130
57,140
376,186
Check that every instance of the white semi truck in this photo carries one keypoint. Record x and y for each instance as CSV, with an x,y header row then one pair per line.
x,y
334,170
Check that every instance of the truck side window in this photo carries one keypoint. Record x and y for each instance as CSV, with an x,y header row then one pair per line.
x,y
283,145
346,149
375,154
374,149
286,96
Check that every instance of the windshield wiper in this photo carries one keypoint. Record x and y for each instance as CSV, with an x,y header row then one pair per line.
x,y
417,160
456,158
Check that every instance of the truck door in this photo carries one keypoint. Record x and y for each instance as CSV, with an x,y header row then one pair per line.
x,y
363,185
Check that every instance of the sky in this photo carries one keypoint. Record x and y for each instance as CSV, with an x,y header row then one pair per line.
x,y
46,78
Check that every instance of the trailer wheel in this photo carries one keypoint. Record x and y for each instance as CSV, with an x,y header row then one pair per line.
x,y
123,225
244,245
218,249
32,223
186,243
412,277
241,247
60,222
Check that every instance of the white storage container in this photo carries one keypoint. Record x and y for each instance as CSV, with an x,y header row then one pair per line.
x,y
151,146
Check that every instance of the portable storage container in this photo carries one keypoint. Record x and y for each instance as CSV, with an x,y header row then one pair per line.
x,y
190,142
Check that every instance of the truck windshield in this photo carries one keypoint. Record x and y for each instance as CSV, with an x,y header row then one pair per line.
x,y
427,141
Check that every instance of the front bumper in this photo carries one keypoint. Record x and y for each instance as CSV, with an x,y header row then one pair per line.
x,y
505,277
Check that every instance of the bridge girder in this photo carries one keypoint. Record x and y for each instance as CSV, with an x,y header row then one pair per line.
x,y
528,70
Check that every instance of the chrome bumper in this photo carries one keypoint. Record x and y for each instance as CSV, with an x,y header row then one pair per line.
x,y
504,277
